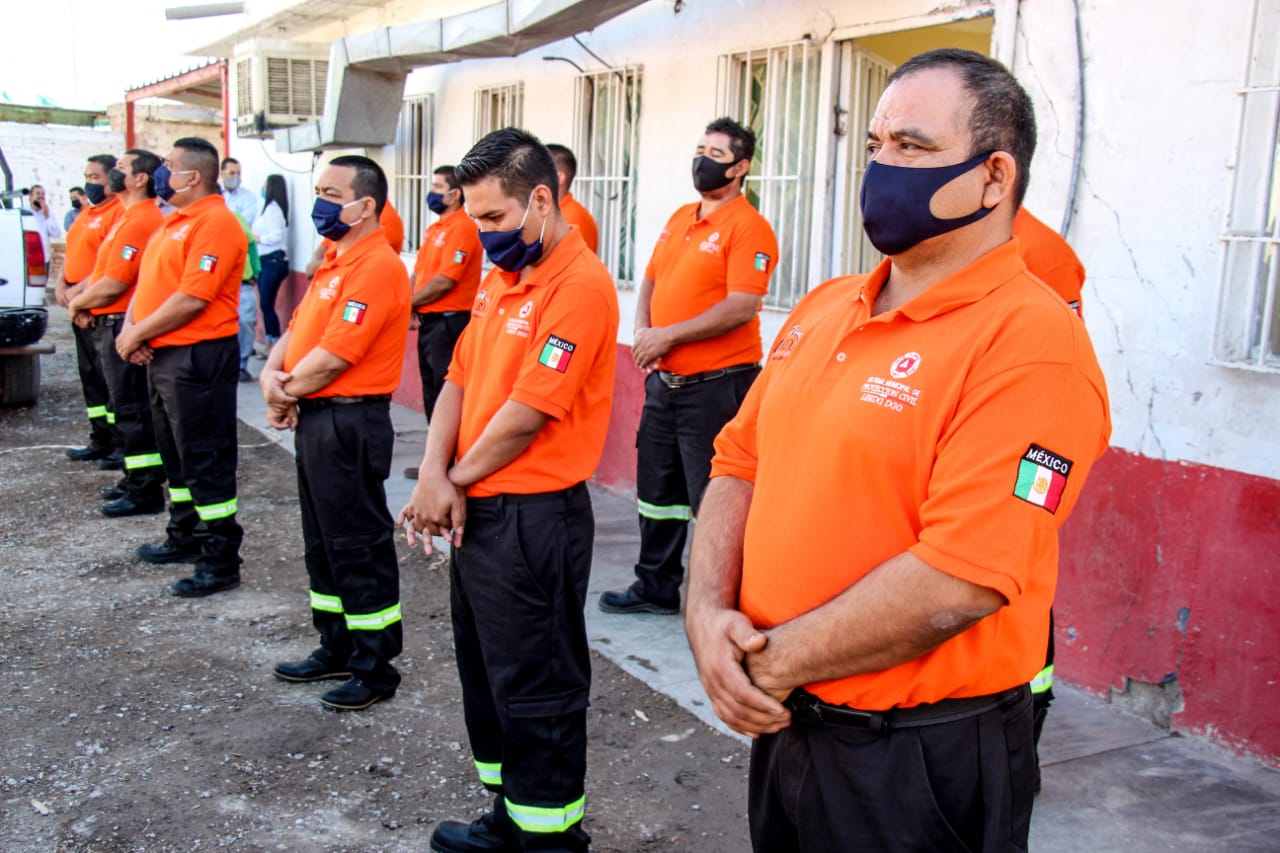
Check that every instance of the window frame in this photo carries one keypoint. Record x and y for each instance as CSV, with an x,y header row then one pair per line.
x,y
414,159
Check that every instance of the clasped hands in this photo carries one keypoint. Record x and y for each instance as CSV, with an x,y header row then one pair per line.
x,y
282,407
739,671
437,507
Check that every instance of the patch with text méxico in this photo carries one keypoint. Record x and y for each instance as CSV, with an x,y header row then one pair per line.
x,y
208,263
129,252
1042,477
354,312
556,354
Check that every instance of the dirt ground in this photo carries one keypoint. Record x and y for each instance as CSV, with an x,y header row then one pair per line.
x,y
131,720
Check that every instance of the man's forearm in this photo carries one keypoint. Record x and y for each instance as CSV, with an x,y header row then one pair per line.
x,y
316,371
100,294
509,432
442,433
902,609
432,290
715,560
174,313
733,311
644,296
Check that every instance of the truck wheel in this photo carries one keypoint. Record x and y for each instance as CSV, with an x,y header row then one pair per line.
x,y
19,380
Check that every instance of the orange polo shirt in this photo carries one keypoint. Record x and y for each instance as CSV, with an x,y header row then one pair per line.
x,y
85,237
450,246
1050,258
960,427
120,255
200,251
575,213
547,342
698,261
356,308
392,227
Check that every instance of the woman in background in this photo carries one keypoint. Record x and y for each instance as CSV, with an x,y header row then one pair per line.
x,y
272,230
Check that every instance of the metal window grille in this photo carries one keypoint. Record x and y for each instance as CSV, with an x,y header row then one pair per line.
x,y
866,76
498,107
413,166
607,123
1248,329
774,92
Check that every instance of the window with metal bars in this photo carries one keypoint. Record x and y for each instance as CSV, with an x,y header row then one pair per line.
x,y
498,107
774,92
414,166
1248,329
606,135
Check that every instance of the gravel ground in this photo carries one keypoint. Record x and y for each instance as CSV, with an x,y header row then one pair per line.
x,y
132,720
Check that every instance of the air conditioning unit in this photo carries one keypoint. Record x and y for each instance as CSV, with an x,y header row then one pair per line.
x,y
278,84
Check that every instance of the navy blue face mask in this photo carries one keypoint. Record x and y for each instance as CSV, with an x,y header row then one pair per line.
x,y
96,193
435,201
326,215
895,204
508,250
160,182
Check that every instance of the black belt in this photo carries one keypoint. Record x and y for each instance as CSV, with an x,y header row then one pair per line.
x,y
677,380
315,404
100,319
810,710
496,502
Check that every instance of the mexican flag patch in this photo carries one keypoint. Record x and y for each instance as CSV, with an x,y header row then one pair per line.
x,y
354,312
556,354
128,252
1042,477
208,263
459,256
762,262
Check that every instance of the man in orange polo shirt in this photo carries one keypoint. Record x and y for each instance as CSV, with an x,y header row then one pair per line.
x,y
518,428
877,551
392,230
183,322
698,337
330,376
101,307
1050,258
570,208
445,278
84,237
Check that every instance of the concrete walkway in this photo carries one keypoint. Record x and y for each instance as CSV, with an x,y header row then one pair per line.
x,y
1111,780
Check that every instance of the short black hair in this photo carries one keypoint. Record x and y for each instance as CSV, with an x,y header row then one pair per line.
x,y
450,177
227,161
517,159
146,162
1002,117
76,190
565,162
106,161
200,155
369,181
742,141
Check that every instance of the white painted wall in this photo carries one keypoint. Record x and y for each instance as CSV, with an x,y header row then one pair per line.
x,y
53,156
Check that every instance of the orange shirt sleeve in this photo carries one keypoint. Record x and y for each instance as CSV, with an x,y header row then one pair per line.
x,y
753,253
124,254
459,250
974,524
393,226
211,250
572,331
364,311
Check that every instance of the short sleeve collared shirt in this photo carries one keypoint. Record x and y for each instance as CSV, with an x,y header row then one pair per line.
x,y
450,246
85,237
1049,258
697,262
548,342
120,256
199,251
959,427
575,213
356,308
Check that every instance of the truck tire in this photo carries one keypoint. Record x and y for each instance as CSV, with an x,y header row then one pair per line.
x,y
19,379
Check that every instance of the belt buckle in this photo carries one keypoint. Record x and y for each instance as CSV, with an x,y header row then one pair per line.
x,y
675,380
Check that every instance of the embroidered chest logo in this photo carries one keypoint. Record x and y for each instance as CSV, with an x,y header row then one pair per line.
x,y
526,308
95,224
1042,477
329,290
459,256
787,344
666,232
181,233
556,354
208,263
481,305
128,253
439,240
905,365
711,246
354,312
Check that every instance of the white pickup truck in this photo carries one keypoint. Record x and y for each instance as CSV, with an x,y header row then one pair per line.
x,y
23,318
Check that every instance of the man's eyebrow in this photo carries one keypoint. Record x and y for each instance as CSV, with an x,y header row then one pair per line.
x,y
913,134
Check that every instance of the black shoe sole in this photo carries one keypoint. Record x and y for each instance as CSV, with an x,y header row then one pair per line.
x,y
138,510
372,701
646,607
295,679
202,593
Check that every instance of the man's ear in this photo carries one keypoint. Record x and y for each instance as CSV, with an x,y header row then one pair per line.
x,y
1002,178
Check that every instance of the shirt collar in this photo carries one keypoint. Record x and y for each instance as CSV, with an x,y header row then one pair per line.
x,y
449,217
721,213
106,204
363,246
564,253
962,287
200,206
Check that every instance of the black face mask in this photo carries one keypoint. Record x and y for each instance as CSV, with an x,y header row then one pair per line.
x,y
710,175
96,193
115,180
75,203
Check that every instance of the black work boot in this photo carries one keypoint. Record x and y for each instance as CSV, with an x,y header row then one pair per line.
x,y
89,453
167,552
317,666
355,695
201,584
492,831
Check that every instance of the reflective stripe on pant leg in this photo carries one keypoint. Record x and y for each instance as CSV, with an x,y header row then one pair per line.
x,y
543,819
213,512
1043,680
490,774
325,603
111,418
142,460
96,412
179,496
374,621
676,512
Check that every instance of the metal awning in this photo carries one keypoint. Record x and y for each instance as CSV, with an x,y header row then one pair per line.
x,y
204,86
